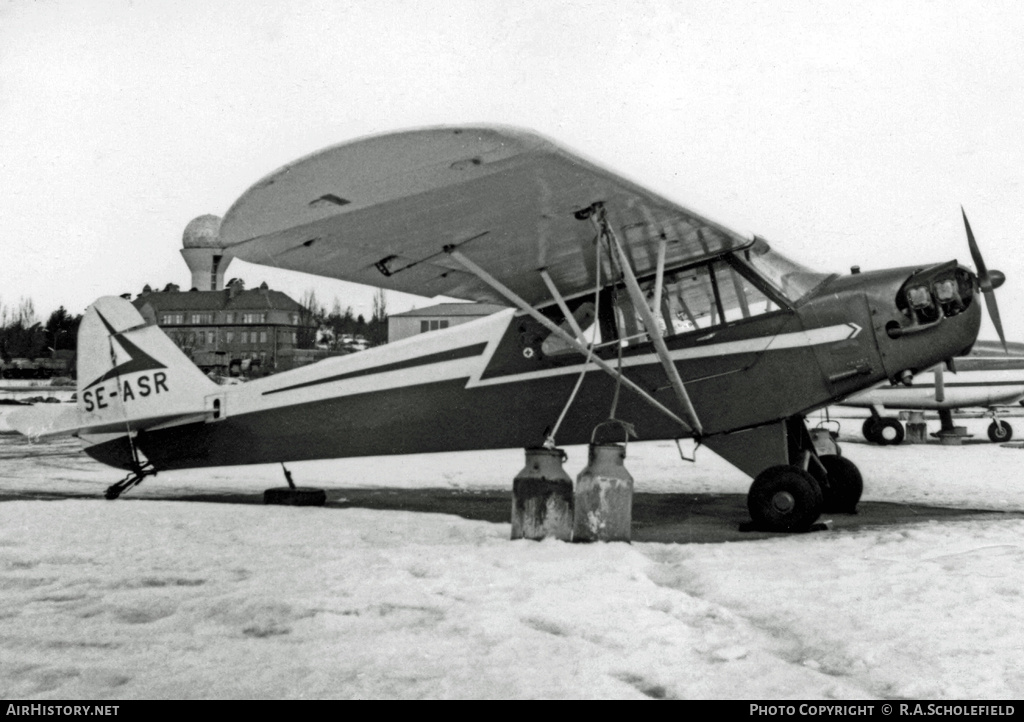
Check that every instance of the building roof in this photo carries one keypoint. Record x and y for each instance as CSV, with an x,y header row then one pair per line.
x,y
256,299
453,309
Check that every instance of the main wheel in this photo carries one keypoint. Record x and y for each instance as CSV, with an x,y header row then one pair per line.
x,y
999,431
845,484
784,498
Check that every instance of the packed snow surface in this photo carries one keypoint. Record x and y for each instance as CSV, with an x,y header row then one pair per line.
x,y
150,598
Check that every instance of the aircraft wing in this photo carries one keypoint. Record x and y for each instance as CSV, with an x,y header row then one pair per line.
x,y
381,211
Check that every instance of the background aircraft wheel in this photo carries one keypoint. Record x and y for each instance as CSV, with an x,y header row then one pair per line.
x,y
845,484
299,496
870,430
890,431
784,498
999,432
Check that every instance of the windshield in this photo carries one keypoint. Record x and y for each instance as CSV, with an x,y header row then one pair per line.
x,y
787,277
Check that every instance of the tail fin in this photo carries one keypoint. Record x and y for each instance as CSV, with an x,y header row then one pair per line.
x,y
128,371
131,376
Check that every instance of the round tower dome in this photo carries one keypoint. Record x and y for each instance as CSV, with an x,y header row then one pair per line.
x,y
202,232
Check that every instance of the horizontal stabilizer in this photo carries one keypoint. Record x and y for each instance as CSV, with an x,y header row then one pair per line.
x,y
46,421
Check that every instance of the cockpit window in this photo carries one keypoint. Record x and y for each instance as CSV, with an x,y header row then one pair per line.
x,y
728,289
787,277
709,295
699,297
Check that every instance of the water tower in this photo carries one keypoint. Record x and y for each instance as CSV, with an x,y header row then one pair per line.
x,y
206,258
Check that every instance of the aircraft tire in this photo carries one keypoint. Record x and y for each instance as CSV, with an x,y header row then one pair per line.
x,y
845,484
299,496
870,430
784,499
999,433
890,431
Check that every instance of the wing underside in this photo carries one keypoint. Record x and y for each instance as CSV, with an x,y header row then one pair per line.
x,y
382,211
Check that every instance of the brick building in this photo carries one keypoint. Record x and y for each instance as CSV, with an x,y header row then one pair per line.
x,y
252,330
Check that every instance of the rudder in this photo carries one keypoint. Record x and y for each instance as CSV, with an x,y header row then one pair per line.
x,y
129,371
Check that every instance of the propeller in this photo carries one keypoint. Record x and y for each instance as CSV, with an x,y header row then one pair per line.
x,y
989,281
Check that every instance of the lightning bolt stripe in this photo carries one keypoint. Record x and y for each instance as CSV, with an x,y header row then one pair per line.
x,y
138,360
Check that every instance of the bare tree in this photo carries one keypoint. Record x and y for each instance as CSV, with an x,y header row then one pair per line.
x,y
380,305
311,315
378,326
26,313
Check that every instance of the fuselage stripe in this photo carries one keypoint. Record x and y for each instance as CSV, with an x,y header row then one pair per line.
x,y
452,355
963,384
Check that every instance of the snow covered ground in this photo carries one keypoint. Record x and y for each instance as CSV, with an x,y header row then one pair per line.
x,y
148,598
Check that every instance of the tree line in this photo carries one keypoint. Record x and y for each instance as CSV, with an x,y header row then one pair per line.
x,y
23,335
315,320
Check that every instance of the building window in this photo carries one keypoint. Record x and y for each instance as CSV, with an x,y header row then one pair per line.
x,y
229,317
295,337
254,318
432,325
211,337
295,319
172,318
229,336
263,336
198,318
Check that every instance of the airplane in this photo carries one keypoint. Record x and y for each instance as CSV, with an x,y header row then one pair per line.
x,y
622,305
991,377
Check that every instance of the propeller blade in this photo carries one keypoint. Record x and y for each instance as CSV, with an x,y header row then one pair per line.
x,y
988,282
979,262
940,384
993,313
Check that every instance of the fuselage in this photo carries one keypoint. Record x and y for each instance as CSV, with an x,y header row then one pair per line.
x,y
493,383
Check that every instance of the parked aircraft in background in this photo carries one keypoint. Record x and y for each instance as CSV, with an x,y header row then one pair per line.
x,y
708,334
990,377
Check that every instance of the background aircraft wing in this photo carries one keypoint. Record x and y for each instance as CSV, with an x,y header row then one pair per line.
x,y
381,210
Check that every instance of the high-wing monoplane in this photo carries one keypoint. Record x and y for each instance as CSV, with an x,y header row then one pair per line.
x,y
621,304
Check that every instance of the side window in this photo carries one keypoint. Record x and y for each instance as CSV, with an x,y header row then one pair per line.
x,y
689,301
707,295
740,298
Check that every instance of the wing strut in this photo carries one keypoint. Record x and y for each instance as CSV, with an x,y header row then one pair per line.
x,y
561,304
561,333
604,228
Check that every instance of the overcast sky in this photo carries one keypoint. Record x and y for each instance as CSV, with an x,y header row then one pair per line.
x,y
845,133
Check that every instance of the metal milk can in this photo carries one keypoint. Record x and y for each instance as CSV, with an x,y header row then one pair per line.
x,y
604,496
542,500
